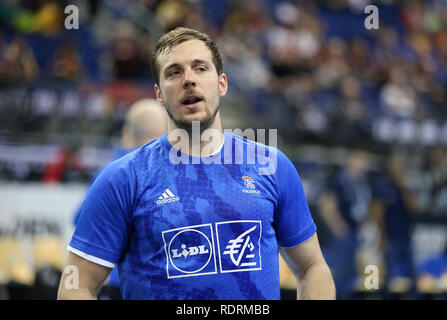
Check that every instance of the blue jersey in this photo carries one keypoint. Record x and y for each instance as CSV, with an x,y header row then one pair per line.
x,y
196,230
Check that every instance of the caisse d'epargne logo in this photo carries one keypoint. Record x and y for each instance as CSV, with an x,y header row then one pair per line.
x,y
190,250
239,245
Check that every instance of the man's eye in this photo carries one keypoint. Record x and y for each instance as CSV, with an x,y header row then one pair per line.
x,y
201,69
173,73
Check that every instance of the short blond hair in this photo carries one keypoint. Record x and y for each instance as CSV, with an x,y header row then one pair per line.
x,y
180,35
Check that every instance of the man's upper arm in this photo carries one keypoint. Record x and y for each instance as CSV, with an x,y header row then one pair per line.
x,y
300,258
314,278
81,278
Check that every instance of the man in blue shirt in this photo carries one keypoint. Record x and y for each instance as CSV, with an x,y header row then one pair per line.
x,y
187,218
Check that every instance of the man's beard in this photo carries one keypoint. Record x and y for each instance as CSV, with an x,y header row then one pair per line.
x,y
187,125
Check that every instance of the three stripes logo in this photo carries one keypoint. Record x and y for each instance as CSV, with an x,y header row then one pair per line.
x,y
166,197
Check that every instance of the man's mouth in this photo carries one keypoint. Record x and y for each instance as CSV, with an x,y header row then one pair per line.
x,y
191,101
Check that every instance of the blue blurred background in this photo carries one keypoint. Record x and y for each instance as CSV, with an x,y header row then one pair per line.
x,y
361,113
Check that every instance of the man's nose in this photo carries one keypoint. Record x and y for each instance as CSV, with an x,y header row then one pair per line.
x,y
189,80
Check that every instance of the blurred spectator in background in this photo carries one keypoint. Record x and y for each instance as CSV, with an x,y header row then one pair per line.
x,y
67,64
171,13
3,61
351,114
343,208
64,166
145,121
393,209
433,187
128,63
397,96
49,18
17,62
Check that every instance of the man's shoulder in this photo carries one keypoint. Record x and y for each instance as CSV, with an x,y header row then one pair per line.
x,y
242,140
268,157
133,159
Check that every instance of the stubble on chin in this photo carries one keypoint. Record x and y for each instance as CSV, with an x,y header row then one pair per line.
x,y
204,123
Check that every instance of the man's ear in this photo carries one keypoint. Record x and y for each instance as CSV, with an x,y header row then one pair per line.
x,y
223,84
158,94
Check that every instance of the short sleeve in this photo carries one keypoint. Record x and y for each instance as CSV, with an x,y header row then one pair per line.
x,y
104,220
293,222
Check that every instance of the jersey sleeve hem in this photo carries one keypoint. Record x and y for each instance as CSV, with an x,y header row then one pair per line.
x,y
93,250
91,258
299,238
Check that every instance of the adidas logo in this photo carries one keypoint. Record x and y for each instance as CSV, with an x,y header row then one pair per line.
x,y
166,197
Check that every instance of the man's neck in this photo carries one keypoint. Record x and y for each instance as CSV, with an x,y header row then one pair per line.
x,y
197,142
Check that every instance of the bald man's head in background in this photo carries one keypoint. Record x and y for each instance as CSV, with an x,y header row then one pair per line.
x,y
145,120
